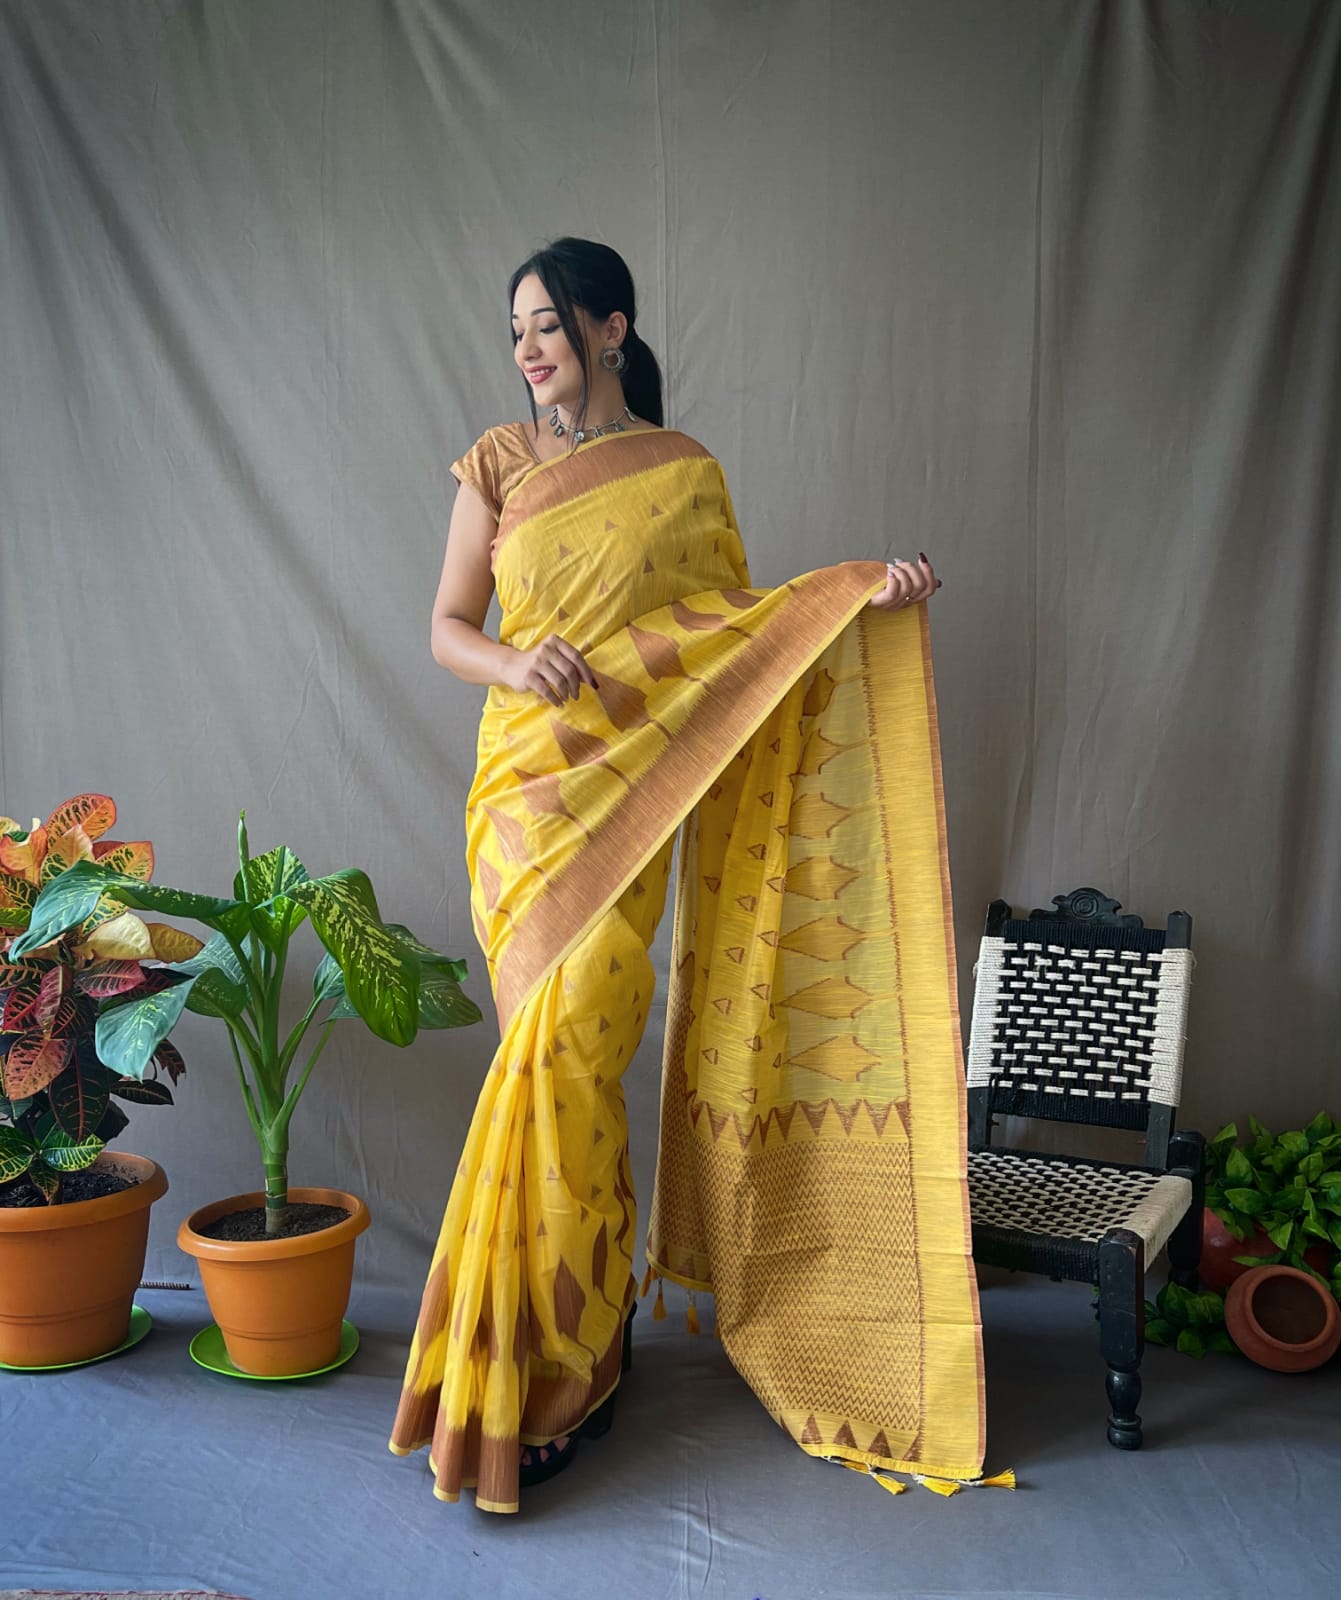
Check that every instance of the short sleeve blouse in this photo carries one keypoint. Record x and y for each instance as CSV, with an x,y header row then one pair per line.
x,y
495,464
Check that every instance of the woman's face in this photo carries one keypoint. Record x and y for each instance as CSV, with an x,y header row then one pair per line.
x,y
541,349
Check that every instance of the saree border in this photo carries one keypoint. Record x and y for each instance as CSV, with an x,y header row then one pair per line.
x,y
742,698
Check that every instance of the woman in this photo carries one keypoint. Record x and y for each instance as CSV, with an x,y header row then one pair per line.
x,y
811,1163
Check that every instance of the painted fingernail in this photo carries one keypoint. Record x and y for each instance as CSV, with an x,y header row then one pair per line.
x,y
921,555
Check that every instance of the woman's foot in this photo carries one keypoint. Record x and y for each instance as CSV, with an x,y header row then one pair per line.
x,y
542,1461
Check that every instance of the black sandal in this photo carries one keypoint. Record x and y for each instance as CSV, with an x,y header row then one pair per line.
x,y
596,1426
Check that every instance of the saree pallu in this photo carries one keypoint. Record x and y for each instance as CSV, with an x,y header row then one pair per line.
x,y
811,1169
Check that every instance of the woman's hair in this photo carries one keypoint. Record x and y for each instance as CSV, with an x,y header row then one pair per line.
x,y
579,272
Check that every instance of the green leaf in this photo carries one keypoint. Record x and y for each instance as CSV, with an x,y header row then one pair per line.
x,y
328,981
1313,1164
1258,1130
14,1109
1294,1142
1191,1343
114,1122
1208,1309
128,1036
1158,1331
17,1151
1238,1169
442,1004
217,955
1247,1201
1281,1235
1269,1259
1227,1135
214,994
69,899
1320,1128
60,1151
381,973
1220,1342
428,957
272,876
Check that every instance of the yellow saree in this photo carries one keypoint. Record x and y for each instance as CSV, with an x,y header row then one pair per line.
x,y
811,1170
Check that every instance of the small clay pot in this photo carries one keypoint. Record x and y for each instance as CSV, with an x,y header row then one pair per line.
x,y
278,1302
1217,1267
1283,1319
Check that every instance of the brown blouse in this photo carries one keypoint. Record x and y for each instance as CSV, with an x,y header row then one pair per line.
x,y
496,463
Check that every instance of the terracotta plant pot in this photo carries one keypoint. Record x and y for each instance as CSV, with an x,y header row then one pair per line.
x,y
1283,1319
68,1273
1218,1269
278,1302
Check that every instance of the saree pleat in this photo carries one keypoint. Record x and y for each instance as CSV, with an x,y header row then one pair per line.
x,y
811,1163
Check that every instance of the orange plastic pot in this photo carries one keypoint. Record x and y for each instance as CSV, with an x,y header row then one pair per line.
x,y
1283,1319
278,1302
68,1273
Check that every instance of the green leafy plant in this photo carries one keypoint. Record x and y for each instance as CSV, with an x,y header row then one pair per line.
x,y
56,1089
1286,1185
1192,1323
370,968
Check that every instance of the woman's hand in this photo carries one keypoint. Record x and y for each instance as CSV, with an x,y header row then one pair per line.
x,y
553,669
907,582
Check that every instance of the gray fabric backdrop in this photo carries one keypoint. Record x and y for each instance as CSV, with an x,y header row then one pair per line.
x,y
1050,290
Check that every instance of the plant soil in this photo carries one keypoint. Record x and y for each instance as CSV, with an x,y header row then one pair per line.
x,y
19,1192
249,1226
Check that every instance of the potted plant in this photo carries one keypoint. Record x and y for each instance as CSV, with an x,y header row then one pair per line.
x,y
74,1221
277,1264
1275,1199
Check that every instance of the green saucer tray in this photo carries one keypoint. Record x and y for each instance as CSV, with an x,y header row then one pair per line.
x,y
208,1351
140,1324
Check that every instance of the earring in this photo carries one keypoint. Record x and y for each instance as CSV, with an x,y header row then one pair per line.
x,y
619,363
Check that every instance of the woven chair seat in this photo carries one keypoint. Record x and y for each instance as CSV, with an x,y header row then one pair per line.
x,y
1055,1209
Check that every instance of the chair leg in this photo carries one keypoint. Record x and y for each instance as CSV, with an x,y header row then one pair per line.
x,y
1187,1159
1122,1331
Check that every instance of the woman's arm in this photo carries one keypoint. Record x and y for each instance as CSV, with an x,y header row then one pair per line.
x,y
553,669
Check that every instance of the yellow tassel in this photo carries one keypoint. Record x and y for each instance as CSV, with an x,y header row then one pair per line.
x,y
646,1283
1003,1480
891,1484
691,1317
945,1486
659,1309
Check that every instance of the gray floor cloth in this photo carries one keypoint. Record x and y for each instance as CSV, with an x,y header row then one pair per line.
x,y
145,1472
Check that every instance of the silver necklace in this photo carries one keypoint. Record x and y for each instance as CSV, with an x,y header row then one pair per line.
x,y
615,425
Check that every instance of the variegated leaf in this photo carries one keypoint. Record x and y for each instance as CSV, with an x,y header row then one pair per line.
x,y
123,938
17,899
20,1011
69,899
168,1058
16,972
78,1101
428,957
381,972
442,1003
114,1121
328,981
272,875
129,1034
54,986
214,994
32,1063
94,813
217,955
23,857
64,851
16,1154
150,1092
109,978
134,860
173,944
62,1152
42,1177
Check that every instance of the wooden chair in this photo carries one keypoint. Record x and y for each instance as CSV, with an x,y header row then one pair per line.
x,y
1079,1015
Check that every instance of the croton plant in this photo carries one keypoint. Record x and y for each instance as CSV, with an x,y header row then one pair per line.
x,y
56,1092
